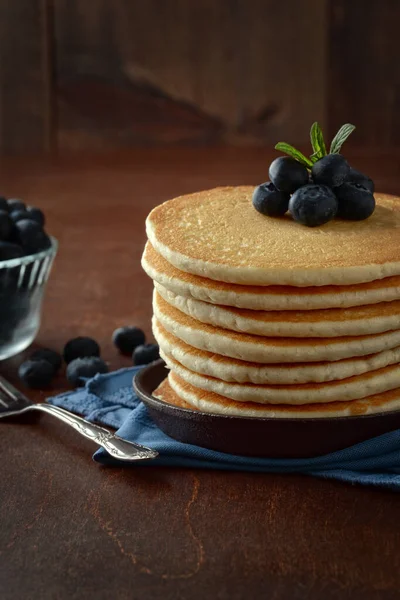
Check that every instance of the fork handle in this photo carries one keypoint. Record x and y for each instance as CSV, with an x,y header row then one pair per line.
x,y
115,446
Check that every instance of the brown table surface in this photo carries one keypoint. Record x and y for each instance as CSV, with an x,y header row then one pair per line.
x,y
71,529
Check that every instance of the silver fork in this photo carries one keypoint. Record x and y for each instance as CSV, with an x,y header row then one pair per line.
x,y
13,403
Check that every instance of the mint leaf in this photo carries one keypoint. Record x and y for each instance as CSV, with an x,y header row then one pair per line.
x,y
296,154
314,157
317,142
341,137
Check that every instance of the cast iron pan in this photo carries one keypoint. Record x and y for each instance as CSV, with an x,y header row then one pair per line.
x,y
252,436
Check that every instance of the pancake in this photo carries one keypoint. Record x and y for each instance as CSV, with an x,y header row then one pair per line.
x,y
353,388
177,392
274,297
240,371
333,322
260,349
218,234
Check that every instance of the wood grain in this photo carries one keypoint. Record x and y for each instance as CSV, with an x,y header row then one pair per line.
x,y
71,529
101,75
364,81
25,76
165,71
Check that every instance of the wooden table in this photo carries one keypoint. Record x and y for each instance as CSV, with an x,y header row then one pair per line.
x,y
71,529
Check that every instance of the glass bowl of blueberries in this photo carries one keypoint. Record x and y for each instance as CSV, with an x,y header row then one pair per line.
x,y
26,258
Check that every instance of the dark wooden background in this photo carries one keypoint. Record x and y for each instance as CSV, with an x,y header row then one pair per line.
x,y
101,74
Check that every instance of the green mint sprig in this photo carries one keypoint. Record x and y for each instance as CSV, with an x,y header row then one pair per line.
x,y
296,154
340,138
317,142
318,145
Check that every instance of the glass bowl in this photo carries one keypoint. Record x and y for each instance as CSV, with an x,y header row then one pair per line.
x,y
22,286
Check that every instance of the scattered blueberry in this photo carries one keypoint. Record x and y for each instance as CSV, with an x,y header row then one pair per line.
x,y
3,204
331,170
36,373
6,226
355,202
80,347
126,339
35,214
287,174
355,176
267,200
313,205
15,204
9,251
147,353
19,215
53,357
84,368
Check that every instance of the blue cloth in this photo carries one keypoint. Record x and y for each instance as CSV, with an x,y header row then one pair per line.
x,y
110,399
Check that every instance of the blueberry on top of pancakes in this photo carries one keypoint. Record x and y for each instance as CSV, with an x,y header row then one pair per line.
x,y
323,186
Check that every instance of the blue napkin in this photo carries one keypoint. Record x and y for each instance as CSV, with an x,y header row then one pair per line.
x,y
110,399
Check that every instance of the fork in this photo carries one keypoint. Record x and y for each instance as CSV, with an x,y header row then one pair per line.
x,y
14,403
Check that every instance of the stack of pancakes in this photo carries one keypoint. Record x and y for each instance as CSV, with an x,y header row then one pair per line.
x,y
257,316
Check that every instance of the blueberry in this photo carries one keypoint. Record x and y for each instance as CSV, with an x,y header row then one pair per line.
x,y
147,353
313,205
18,215
331,170
3,204
355,202
36,215
6,226
43,242
267,200
287,174
31,236
53,357
15,204
126,339
84,368
80,347
355,176
9,251
36,373
27,229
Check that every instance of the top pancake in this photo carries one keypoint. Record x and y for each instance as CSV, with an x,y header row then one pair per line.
x,y
218,234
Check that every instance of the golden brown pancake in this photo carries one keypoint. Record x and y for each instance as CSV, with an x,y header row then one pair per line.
x,y
218,234
277,297
177,392
241,371
331,322
255,348
352,388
